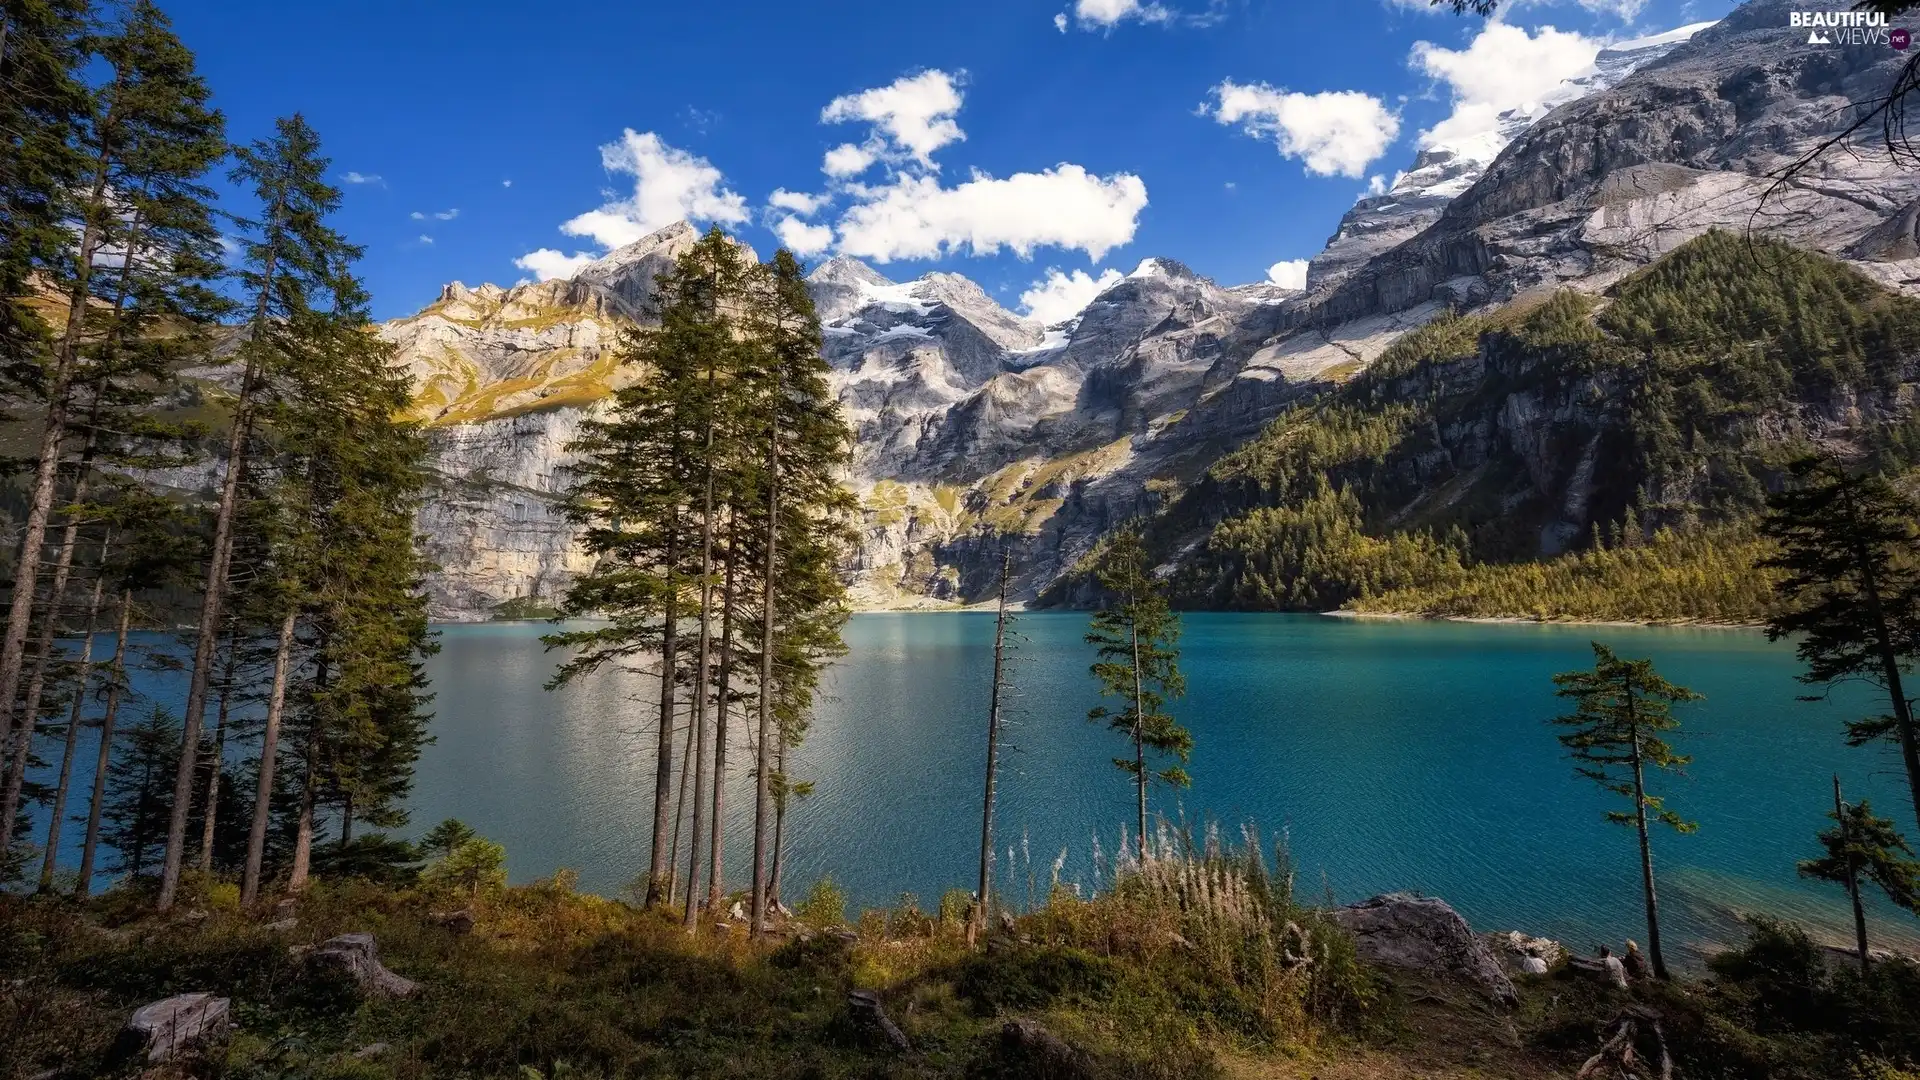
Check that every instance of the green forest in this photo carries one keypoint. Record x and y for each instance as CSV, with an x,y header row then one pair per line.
x,y
1438,480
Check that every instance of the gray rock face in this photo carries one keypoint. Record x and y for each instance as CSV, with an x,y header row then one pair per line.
x,y
172,1027
1426,936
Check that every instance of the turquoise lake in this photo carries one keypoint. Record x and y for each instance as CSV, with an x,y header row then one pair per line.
x,y
1393,755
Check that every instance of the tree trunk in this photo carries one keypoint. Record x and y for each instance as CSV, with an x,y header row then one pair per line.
x,y
779,825
1646,848
1890,670
763,750
1853,878
104,761
1139,734
55,819
26,574
657,880
716,842
269,751
679,819
983,896
703,657
214,592
303,836
210,819
37,681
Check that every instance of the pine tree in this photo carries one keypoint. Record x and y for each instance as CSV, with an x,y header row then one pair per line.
x,y
42,115
1137,640
641,471
298,288
146,250
149,555
1849,550
803,525
139,793
1623,708
1862,844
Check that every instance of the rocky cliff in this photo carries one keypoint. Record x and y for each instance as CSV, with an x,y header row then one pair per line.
x,y
980,429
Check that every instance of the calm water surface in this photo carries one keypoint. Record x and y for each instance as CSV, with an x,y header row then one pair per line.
x,y
1394,755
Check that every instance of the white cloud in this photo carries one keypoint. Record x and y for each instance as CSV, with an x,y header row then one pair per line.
x,y
506,183
801,238
1376,184
548,263
1059,297
1288,273
1503,68
847,160
912,117
1060,22
669,185
798,202
425,239
1106,14
438,215
1065,206
1336,133
363,178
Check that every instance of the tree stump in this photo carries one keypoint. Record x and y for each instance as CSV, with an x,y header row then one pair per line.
x,y
1043,1055
359,958
168,1028
867,1011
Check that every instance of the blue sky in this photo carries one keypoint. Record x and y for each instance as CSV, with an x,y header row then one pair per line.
x,y
1090,133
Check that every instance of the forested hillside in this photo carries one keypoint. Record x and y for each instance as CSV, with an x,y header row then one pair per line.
x,y
1565,455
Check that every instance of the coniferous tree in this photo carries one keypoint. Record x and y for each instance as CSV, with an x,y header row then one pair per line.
x,y
299,296
1849,548
803,525
1622,712
139,794
42,115
640,472
1860,845
145,252
1137,640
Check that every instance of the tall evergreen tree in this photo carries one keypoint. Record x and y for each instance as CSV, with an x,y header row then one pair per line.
x,y
145,252
1622,711
1136,637
802,529
641,497
1860,845
1849,550
298,290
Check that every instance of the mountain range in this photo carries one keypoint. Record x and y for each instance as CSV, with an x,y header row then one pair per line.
x,y
979,428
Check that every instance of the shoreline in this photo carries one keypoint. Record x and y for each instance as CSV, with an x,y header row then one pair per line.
x,y
1523,620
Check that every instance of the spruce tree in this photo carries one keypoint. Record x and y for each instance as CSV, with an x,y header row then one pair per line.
x,y
144,256
803,521
639,475
1136,637
1849,550
1622,711
1860,845
299,294
983,895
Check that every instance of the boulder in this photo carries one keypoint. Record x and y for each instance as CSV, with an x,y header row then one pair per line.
x,y
170,1027
1425,935
1522,953
359,958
